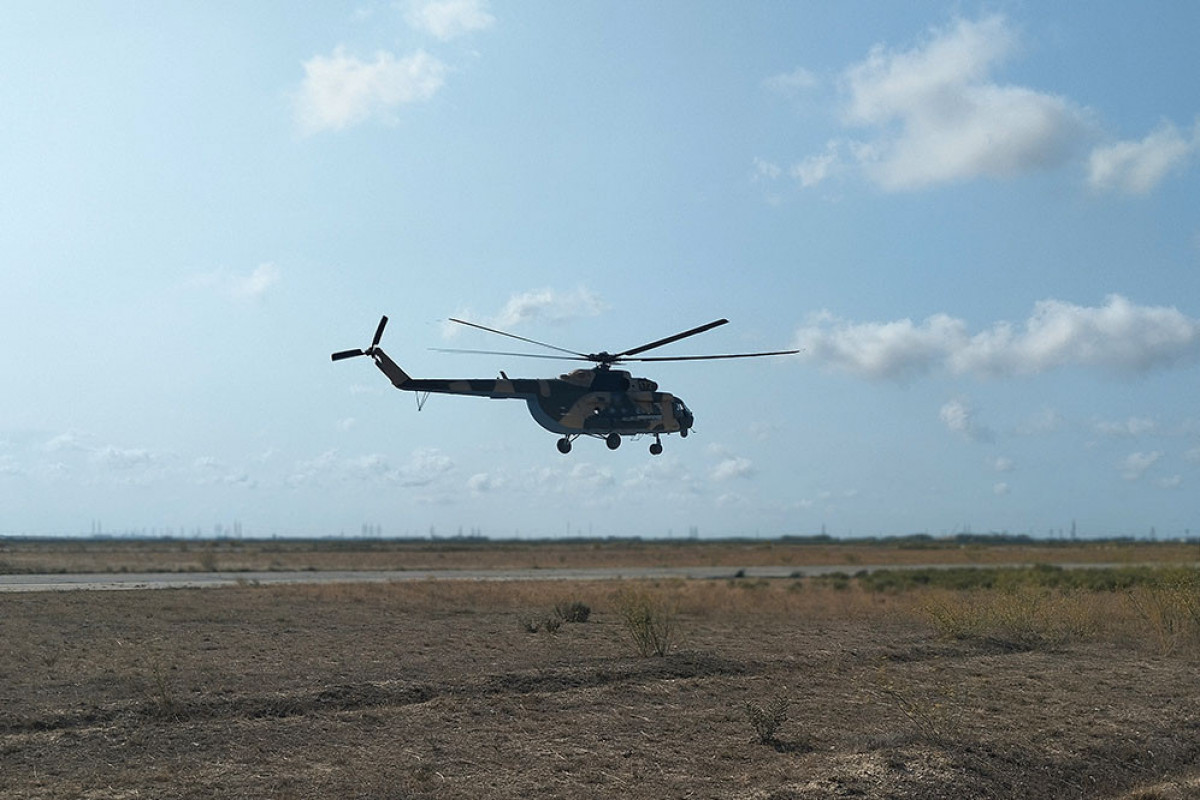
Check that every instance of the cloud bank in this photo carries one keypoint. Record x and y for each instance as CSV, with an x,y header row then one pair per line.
x,y
937,113
1118,336
941,117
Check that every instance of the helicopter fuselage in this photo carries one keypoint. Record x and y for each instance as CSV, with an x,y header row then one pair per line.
x,y
598,401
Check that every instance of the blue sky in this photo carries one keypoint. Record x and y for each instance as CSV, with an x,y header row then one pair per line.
x,y
978,221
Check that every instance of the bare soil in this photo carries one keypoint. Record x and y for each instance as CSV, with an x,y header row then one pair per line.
x,y
443,690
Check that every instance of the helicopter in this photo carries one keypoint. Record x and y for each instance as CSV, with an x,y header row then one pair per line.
x,y
600,401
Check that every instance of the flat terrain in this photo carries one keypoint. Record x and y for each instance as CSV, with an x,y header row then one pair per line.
x,y
1007,687
18,556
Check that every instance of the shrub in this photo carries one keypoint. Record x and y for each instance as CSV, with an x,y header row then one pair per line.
x,y
573,611
650,622
532,624
1170,608
1024,618
765,720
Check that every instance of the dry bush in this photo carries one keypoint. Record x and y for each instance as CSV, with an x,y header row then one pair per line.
x,y
649,619
1025,617
575,611
1170,610
765,720
935,716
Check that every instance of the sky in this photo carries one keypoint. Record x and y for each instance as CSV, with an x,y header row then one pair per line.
x,y
979,222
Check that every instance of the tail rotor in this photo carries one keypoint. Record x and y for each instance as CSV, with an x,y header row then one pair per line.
x,y
370,350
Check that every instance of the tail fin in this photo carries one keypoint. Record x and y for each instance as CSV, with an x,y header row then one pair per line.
x,y
397,376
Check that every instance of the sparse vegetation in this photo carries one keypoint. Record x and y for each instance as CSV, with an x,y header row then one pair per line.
x,y
1170,609
532,623
649,620
1035,683
573,611
766,719
161,700
1022,618
932,717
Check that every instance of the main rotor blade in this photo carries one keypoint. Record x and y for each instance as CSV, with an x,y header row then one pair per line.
x,y
670,339
346,354
711,358
519,338
379,331
501,353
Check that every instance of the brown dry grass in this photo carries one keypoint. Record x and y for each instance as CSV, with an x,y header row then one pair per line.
x,y
18,556
434,690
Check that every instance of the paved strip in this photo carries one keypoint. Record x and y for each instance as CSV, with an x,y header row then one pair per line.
x,y
204,580
207,580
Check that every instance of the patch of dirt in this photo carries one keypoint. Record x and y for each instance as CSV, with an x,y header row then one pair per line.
x,y
388,691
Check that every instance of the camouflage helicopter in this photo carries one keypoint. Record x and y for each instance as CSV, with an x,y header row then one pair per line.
x,y
601,401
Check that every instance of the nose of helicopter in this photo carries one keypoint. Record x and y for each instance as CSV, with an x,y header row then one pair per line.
x,y
683,416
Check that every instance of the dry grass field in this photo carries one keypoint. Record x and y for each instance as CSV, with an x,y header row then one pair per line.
x,y
781,689
184,555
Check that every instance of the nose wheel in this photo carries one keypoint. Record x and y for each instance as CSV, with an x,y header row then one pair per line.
x,y
613,440
656,448
564,445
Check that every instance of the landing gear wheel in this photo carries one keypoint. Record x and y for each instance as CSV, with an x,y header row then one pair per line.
x,y
564,445
613,440
656,449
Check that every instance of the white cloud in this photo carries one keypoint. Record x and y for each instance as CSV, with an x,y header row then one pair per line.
x,y
1003,464
449,19
958,416
766,170
1138,167
1136,464
731,500
482,483
252,287
896,350
1000,489
1134,426
590,476
540,304
935,113
733,467
940,117
424,467
1173,482
210,471
665,478
815,169
1118,336
69,442
121,458
255,285
340,90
